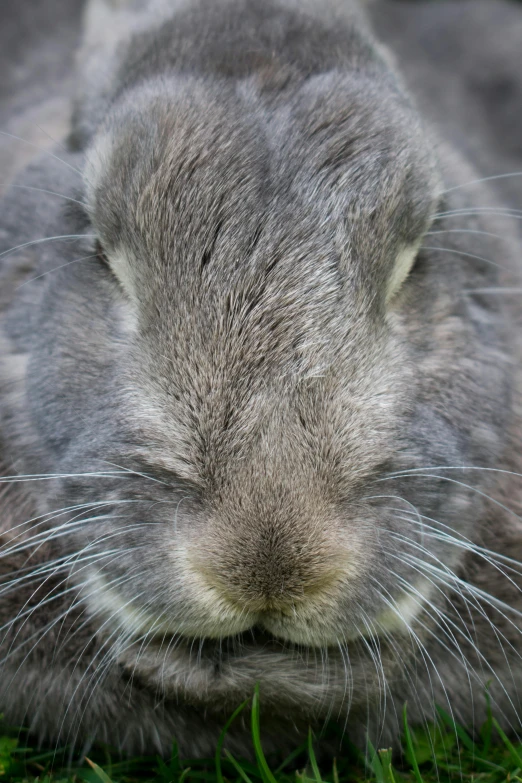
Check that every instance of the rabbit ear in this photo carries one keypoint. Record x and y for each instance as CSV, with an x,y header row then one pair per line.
x,y
357,145
378,245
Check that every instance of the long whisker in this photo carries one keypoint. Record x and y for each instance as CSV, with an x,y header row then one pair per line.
x,y
446,622
422,695
55,269
74,558
459,483
41,149
10,547
37,534
426,657
463,253
47,239
496,603
68,528
475,604
49,476
469,546
443,624
482,179
136,473
54,566
492,291
379,667
43,190
453,467
463,588
59,563
52,597
43,519
469,231
516,214
83,597
96,656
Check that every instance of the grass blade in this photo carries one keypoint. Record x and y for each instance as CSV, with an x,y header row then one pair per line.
x,y
486,730
459,731
221,740
99,771
335,773
239,769
409,745
293,755
313,760
515,755
374,762
266,774
386,762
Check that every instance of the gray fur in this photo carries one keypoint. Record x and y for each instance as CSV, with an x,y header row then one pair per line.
x,y
220,377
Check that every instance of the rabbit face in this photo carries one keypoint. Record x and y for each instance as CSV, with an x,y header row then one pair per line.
x,y
248,367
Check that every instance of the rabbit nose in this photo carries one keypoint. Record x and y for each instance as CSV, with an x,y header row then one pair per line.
x,y
275,580
264,592
272,562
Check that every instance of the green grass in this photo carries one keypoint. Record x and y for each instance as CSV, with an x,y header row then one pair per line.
x,y
437,753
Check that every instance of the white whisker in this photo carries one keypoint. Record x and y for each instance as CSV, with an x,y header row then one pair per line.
x,y
481,180
464,254
47,239
42,190
55,269
41,149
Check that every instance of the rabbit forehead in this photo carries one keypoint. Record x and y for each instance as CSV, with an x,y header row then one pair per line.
x,y
187,173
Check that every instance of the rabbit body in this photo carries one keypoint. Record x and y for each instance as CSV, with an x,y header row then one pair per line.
x,y
261,394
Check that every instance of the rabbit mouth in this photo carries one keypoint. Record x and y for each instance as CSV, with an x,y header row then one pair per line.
x,y
312,625
212,620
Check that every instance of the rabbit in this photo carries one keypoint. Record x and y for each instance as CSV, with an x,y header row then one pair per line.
x,y
259,388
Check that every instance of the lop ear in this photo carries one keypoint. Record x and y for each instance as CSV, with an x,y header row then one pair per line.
x,y
97,161
372,167
392,233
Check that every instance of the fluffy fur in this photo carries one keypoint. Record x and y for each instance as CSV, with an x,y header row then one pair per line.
x,y
259,397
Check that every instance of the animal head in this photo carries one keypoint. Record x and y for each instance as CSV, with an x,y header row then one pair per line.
x,y
242,391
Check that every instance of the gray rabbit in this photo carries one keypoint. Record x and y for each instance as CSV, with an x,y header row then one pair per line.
x,y
260,376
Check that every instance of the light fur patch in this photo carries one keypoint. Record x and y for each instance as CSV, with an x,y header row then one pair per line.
x,y
400,617
119,264
401,270
214,621
97,161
